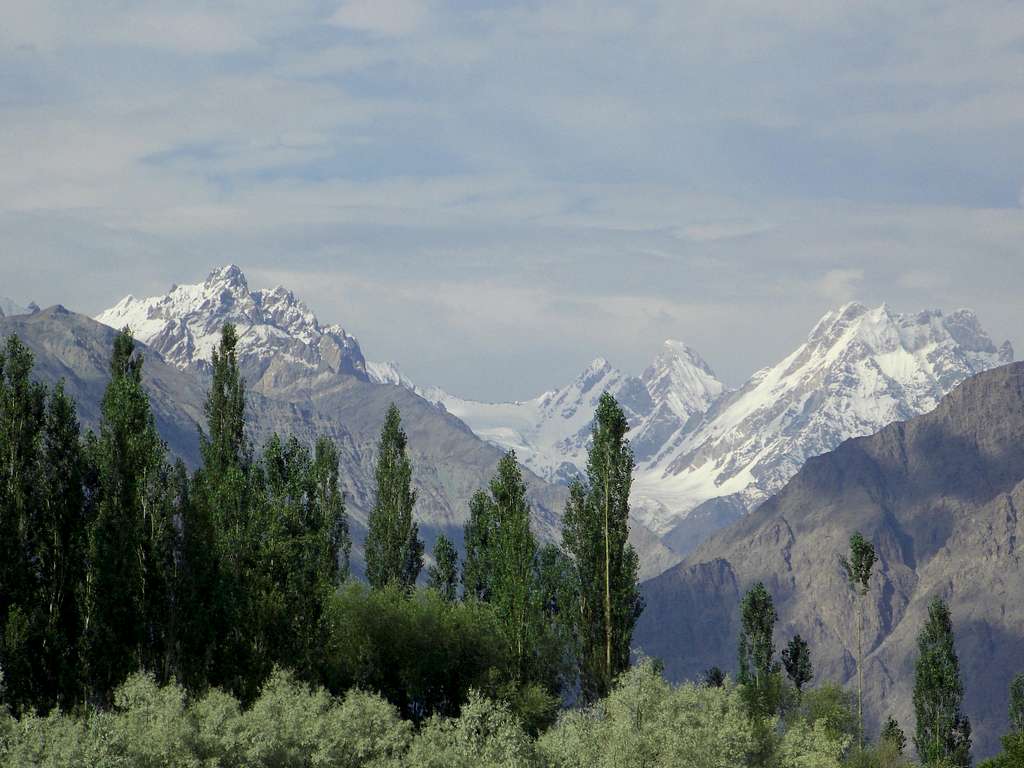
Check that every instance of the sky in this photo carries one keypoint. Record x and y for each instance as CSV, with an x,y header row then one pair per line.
x,y
495,193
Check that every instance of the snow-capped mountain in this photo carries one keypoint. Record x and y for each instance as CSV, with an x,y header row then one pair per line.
x,y
859,370
550,433
280,339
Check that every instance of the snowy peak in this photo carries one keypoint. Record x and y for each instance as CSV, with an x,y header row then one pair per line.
x,y
280,339
9,308
859,369
681,379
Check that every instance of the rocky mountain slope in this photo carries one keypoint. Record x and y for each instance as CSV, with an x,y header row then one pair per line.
x,y
941,496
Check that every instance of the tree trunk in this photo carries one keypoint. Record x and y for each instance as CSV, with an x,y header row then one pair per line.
x,y
607,575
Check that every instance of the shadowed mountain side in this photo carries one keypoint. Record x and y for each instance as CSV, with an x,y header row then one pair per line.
x,y
939,495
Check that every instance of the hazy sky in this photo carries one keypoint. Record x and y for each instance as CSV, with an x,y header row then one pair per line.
x,y
495,193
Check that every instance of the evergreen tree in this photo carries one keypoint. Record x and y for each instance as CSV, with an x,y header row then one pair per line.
x,y
943,734
796,658
22,422
336,541
61,552
858,573
443,576
123,549
758,670
893,734
394,552
515,549
595,534
479,537
222,541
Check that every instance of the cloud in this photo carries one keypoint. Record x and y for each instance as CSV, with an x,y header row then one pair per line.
x,y
388,18
572,179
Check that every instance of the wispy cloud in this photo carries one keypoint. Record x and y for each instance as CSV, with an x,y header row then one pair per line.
x,y
572,178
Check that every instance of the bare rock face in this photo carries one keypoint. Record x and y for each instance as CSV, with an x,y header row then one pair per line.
x,y
940,496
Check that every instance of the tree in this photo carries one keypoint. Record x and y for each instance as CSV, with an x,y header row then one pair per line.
x,y
329,504
595,534
943,733
513,559
124,557
714,677
22,422
796,658
61,550
1017,704
221,540
858,574
893,735
758,670
479,538
443,575
394,552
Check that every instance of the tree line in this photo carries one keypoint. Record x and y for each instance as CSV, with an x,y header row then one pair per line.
x,y
117,559
119,564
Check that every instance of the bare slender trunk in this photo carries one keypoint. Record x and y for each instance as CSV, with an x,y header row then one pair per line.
x,y
860,671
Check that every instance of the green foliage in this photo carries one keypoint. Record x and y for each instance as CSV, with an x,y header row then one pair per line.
x,y
831,706
1013,743
480,541
893,735
486,735
943,732
714,677
796,658
394,552
131,537
645,722
444,574
758,671
595,534
421,652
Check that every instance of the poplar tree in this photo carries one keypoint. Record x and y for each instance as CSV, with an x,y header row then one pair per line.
x,y
479,539
443,576
892,734
394,552
758,670
61,551
943,733
329,504
123,559
221,550
796,658
22,421
858,574
595,534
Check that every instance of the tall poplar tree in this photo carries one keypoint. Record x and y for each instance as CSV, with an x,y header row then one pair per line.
x,y
943,733
858,574
595,533
394,552
479,539
22,421
221,547
123,559
758,670
61,552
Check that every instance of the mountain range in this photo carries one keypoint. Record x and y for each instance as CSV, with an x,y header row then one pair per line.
x,y
941,496
707,455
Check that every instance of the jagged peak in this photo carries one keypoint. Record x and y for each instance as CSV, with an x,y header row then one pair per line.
x,y
229,273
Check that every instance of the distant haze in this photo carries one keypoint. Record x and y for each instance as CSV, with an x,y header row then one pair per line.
x,y
493,194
